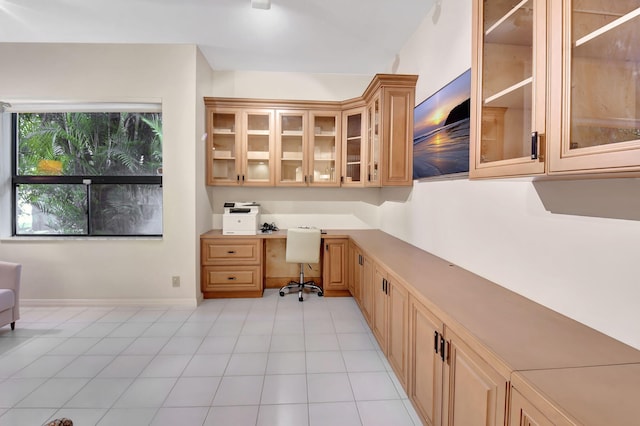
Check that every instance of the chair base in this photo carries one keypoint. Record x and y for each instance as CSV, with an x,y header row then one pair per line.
x,y
311,285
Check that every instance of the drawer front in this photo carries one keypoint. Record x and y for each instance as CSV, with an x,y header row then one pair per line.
x,y
231,278
225,252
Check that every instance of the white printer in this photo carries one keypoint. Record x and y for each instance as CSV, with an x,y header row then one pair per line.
x,y
240,218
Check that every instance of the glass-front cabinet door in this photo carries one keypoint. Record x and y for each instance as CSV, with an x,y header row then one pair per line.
x,y
324,148
258,146
509,75
291,145
595,90
373,141
353,149
224,147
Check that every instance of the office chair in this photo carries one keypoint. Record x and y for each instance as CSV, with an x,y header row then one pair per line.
x,y
303,246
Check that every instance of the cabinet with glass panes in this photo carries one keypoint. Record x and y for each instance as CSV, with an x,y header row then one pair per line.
x,y
353,147
595,87
364,141
306,146
240,147
556,88
508,103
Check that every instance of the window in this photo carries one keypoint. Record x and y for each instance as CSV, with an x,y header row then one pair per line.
x,y
86,173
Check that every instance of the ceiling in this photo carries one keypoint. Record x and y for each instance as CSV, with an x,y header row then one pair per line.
x,y
320,36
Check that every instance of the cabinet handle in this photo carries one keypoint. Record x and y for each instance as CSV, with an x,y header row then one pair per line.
x,y
442,348
436,341
305,178
238,178
231,252
534,145
231,278
242,178
341,179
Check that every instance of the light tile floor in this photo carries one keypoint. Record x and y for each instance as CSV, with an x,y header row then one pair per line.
x,y
262,362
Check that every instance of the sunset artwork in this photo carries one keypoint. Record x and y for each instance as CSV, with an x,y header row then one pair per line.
x,y
441,131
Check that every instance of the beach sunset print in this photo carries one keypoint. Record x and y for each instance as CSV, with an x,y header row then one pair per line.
x,y
441,131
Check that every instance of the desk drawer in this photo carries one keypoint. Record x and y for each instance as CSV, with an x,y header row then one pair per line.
x,y
229,252
231,278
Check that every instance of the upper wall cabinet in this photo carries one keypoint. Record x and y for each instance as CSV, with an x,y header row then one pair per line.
x,y
240,146
508,75
556,88
366,141
595,86
307,148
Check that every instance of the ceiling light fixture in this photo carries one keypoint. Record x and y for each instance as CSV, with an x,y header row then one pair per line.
x,y
261,4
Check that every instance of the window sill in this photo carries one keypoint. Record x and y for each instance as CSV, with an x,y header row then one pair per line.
x,y
20,239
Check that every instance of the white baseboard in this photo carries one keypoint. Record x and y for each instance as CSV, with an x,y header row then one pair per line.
x,y
111,302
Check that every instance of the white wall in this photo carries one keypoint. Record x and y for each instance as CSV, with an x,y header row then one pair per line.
x,y
586,267
129,270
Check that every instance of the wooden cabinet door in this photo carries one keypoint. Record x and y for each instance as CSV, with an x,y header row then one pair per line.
x,y
374,147
508,80
397,137
324,148
594,87
291,148
258,148
224,152
334,269
398,331
475,393
379,320
367,290
353,166
524,413
425,365
355,271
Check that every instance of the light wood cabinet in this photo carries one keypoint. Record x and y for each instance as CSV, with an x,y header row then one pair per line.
x,y
307,148
354,169
555,88
365,141
367,290
508,88
389,123
475,391
390,324
426,371
450,382
231,267
594,87
335,267
240,146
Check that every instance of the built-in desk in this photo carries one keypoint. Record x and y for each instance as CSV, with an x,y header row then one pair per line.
x,y
468,351
244,265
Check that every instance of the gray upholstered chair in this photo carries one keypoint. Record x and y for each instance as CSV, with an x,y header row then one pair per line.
x,y
303,247
9,293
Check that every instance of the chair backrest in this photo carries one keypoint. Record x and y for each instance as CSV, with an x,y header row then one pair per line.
x,y
303,245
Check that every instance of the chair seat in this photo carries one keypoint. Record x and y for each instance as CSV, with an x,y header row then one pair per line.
x,y
7,299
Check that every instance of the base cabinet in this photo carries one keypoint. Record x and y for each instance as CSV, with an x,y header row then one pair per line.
x,y
231,267
449,382
334,267
475,392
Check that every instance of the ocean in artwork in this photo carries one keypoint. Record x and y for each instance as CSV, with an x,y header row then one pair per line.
x,y
442,151
441,130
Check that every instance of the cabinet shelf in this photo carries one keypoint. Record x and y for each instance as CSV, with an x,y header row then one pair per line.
x,y
258,132
604,42
514,27
610,26
223,132
511,97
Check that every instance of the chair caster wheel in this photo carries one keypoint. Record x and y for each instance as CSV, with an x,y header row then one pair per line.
x,y
320,294
282,294
300,299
